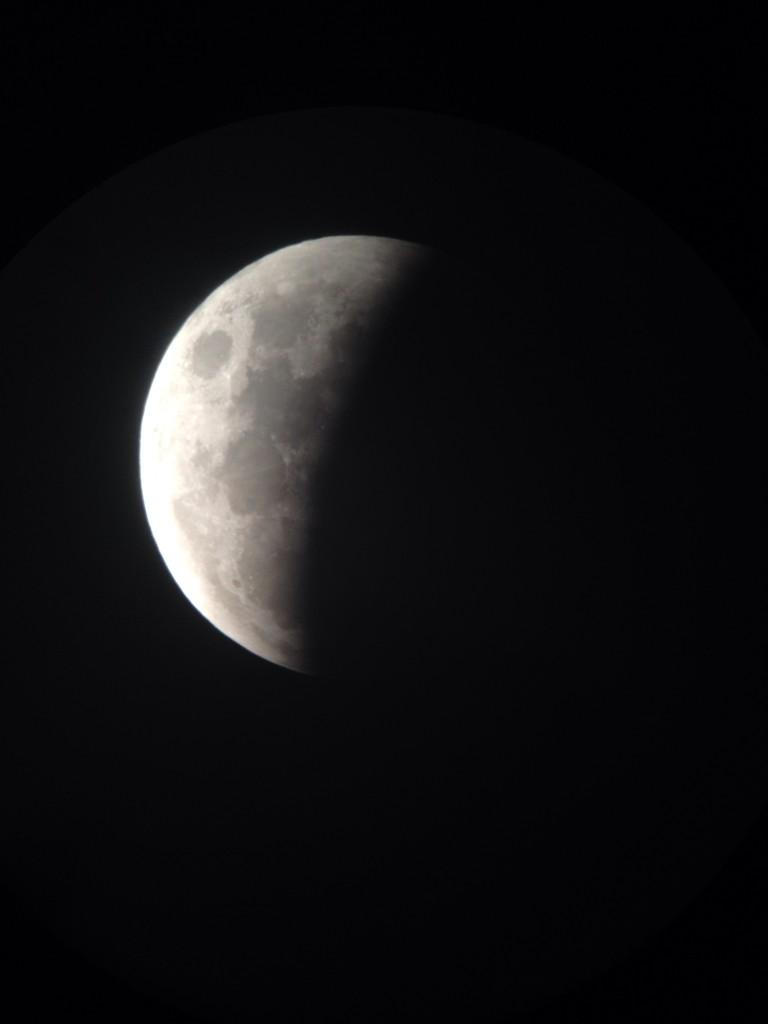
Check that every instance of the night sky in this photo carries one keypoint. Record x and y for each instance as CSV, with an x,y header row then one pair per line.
x,y
191,833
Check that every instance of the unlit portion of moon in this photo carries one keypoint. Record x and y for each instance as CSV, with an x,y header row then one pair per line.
x,y
236,421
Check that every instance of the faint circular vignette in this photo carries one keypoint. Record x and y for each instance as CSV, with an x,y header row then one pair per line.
x,y
461,451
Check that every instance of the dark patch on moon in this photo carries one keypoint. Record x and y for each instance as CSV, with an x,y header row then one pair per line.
x,y
269,390
280,592
293,408
265,566
210,353
279,321
253,474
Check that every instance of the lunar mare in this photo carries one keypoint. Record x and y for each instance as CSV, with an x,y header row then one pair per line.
x,y
236,420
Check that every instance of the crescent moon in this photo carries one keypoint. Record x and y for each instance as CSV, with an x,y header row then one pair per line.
x,y
236,420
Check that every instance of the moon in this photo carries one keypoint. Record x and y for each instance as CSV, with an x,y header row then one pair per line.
x,y
237,418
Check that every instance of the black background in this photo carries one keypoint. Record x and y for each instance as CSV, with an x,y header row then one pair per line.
x,y
667,108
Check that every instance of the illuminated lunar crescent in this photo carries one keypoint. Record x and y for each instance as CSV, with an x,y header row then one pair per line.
x,y
236,420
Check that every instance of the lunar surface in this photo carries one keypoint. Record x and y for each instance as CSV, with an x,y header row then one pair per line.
x,y
236,421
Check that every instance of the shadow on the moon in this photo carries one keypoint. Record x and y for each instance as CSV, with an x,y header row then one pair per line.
x,y
534,583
